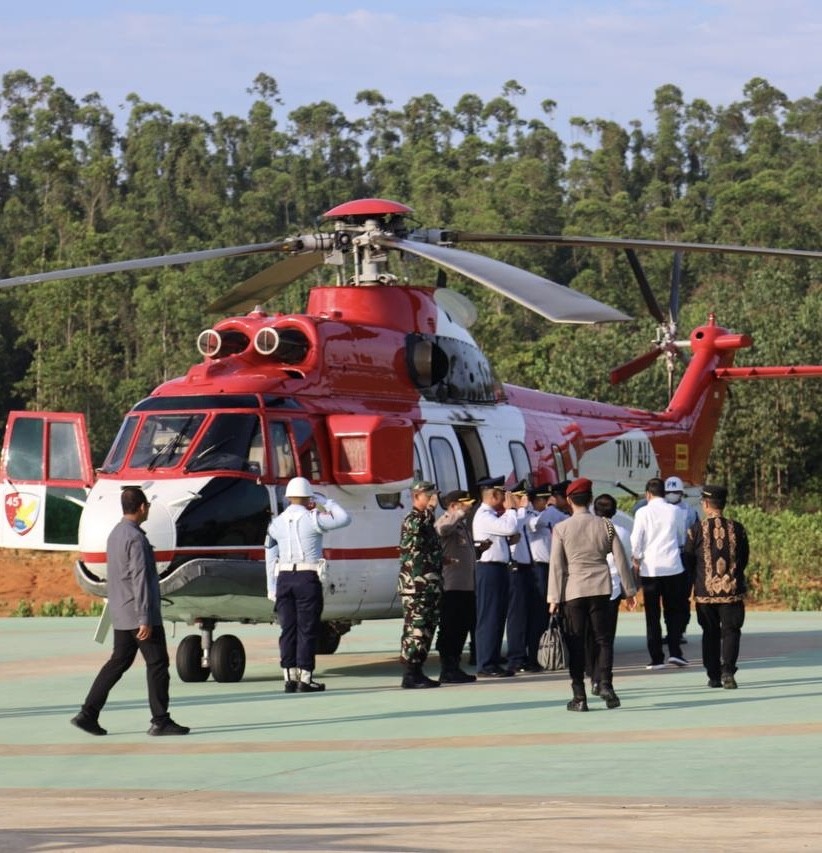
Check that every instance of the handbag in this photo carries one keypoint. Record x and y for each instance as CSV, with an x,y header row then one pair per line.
x,y
553,649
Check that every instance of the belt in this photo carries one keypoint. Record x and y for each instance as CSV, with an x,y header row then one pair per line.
x,y
297,567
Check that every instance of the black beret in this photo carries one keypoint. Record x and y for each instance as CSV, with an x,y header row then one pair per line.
x,y
715,493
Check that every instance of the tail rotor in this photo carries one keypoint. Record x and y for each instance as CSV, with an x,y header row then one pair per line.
x,y
665,342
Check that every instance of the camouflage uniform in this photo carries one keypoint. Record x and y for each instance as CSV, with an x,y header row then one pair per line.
x,y
419,583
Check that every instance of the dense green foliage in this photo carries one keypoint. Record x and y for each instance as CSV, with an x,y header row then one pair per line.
x,y
785,568
76,190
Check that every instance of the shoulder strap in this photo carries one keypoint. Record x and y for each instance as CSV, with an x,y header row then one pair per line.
x,y
611,529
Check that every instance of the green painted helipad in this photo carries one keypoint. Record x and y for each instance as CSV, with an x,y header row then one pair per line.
x,y
367,766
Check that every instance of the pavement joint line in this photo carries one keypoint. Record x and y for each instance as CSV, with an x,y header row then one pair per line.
x,y
524,739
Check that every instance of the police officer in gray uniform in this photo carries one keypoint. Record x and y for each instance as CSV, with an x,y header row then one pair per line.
x,y
134,605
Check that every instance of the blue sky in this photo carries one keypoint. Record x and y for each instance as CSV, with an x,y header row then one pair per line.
x,y
596,59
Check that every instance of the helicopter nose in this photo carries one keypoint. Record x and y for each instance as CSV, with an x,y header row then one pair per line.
x,y
159,528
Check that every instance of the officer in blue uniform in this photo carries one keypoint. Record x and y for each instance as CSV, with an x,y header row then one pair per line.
x,y
294,564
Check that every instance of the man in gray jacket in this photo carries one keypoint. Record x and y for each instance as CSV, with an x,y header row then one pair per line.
x,y
579,578
134,606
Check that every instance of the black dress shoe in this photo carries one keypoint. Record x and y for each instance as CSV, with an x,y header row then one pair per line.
x,y
310,687
456,676
714,682
494,672
729,682
595,688
611,699
577,704
169,727
290,687
91,727
528,667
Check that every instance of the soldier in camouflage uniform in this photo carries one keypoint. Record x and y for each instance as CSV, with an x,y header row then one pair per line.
x,y
419,584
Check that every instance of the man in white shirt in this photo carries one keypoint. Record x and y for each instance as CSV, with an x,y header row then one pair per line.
x,y
495,521
293,558
656,542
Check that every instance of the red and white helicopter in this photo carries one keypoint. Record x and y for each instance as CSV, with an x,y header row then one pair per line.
x,y
377,382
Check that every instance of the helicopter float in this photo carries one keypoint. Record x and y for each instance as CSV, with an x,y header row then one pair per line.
x,y
377,382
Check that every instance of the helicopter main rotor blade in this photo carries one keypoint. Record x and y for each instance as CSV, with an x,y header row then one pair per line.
x,y
545,297
446,236
644,286
146,263
635,365
266,283
673,301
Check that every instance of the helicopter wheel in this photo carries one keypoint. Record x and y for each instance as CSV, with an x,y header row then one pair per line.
x,y
189,659
227,658
328,638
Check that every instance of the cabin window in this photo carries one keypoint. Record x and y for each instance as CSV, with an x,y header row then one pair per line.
x,y
307,451
522,464
229,443
282,457
25,461
446,473
164,439
417,464
559,462
64,452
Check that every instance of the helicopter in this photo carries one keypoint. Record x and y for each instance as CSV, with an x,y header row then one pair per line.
x,y
378,382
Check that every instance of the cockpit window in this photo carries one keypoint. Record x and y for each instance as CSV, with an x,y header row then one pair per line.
x,y
164,439
117,455
231,442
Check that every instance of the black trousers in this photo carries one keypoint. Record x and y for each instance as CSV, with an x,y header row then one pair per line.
x,y
299,607
519,628
721,632
592,613
492,607
126,646
591,649
458,617
665,596
541,606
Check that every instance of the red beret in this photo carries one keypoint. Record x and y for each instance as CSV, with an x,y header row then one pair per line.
x,y
578,486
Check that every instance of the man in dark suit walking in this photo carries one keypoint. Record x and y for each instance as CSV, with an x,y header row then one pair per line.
x,y
134,604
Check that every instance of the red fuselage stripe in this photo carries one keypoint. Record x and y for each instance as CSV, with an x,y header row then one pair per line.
x,y
390,552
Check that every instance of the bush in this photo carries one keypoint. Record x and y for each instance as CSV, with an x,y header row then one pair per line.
x,y
64,607
785,568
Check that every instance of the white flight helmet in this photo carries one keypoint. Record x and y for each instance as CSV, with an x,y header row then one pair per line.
x,y
299,487
674,484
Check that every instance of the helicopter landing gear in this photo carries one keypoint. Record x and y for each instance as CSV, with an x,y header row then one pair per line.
x,y
199,657
329,636
227,658
190,659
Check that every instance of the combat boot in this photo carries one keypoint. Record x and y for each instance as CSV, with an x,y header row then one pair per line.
x,y
414,678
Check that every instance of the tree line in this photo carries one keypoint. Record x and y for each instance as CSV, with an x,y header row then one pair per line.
x,y
76,190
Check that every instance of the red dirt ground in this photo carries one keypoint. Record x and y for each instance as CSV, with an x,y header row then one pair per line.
x,y
38,577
